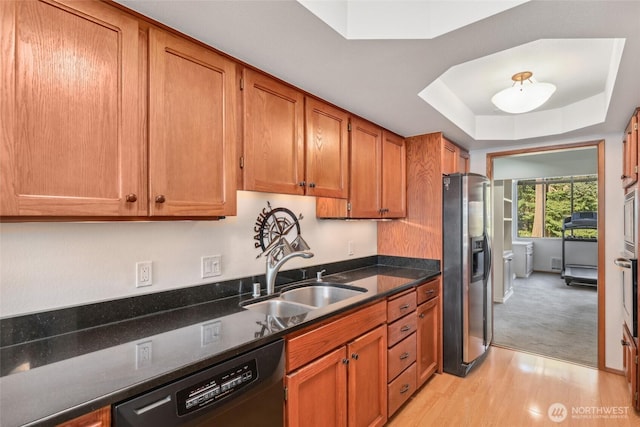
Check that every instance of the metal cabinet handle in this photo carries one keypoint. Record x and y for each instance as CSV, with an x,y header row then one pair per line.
x,y
422,315
355,356
404,306
312,185
345,361
404,355
302,183
405,328
430,291
131,197
624,343
160,198
405,388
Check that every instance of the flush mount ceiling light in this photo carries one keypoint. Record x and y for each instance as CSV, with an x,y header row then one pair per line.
x,y
524,95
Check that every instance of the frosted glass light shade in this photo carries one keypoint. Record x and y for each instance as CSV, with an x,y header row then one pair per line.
x,y
523,96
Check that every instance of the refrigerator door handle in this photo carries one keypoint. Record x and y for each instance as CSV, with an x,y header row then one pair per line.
x,y
487,258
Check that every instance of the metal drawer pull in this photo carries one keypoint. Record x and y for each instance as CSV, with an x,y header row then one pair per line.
x,y
405,328
160,198
131,197
422,315
355,356
404,306
625,343
404,355
345,361
405,388
152,405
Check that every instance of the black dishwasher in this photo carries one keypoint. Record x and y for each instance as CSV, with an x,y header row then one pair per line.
x,y
244,391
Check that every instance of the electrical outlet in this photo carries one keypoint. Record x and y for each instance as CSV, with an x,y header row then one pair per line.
x,y
144,273
211,332
350,248
143,354
211,266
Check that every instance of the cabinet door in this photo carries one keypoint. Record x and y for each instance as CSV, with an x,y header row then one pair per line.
x,y
273,135
192,137
317,392
366,173
71,129
367,377
98,418
394,176
449,157
327,150
630,152
630,365
428,354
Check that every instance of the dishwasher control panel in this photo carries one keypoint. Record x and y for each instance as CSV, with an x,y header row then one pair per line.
x,y
216,388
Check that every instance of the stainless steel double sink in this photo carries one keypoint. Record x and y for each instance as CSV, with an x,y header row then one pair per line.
x,y
301,299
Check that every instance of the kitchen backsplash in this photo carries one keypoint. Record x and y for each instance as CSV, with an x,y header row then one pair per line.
x,y
48,266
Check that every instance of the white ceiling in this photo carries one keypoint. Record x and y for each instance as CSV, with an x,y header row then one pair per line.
x,y
381,79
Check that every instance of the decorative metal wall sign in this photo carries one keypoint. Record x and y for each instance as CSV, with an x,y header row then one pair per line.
x,y
278,230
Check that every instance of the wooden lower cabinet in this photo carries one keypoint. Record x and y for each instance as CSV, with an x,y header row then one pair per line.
x,y
98,418
346,387
630,364
428,343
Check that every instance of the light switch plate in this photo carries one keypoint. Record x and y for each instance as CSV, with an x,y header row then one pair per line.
x,y
211,266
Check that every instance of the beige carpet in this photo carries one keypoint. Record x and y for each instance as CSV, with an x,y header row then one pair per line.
x,y
545,316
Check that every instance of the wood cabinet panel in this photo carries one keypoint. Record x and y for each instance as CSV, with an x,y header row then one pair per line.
x,y
192,131
317,393
401,305
366,169
273,135
424,204
367,379
71,142
97,418
308,344
630,365
428,339
401,328
327,150
394,176
401,355
401,389
630,152
449,158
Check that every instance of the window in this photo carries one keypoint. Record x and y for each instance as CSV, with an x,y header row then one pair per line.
x,y
543,204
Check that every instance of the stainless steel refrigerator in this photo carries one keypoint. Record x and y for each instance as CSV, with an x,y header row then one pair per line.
x,y
466,289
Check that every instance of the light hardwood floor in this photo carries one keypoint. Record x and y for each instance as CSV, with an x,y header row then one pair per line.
x,y
514,389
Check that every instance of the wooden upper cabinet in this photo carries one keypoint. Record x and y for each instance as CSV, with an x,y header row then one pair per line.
x,y
630,152
192,129
377,176
366,169
71,126
327,150
394,176
273,135
454,158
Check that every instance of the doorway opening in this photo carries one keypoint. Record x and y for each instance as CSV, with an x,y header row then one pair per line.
x,y
535,308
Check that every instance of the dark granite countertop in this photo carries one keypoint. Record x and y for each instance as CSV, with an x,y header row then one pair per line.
x,y
49,379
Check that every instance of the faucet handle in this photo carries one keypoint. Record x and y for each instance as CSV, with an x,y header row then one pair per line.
x,y
319,275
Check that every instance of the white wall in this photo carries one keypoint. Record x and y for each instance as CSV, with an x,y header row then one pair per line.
x,y
612,209
52,265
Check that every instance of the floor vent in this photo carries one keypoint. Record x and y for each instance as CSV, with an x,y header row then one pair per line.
x,y
556,264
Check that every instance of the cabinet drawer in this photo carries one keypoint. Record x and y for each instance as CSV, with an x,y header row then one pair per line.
x,y
428,290
311,343
401,389
401,329
401,356
400,306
